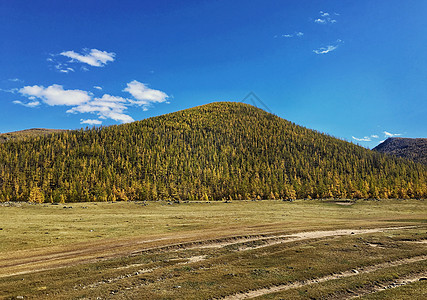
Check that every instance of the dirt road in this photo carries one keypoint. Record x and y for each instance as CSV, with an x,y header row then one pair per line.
x,y
47,259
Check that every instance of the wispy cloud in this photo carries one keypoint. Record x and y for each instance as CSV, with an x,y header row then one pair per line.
x,y
388,134
324,14
325,18
97,87
376,136
65,61
31,104
373,136
66,70
364,139
95,57
328,48
15,80
12,91
90,122
295,34
325,50
61,67
320,21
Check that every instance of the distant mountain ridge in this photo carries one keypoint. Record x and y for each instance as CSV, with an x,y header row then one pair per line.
x,y
414,149
222,150
21,134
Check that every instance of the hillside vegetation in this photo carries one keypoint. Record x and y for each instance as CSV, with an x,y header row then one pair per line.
x,y
217,151
415,149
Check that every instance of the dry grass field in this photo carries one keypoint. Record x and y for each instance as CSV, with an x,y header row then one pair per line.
x,y
239,250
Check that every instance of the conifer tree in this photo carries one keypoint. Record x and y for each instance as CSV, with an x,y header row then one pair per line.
x,y
36,195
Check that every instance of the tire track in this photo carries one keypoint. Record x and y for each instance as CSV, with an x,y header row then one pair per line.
x,y
35,263
299,284
391,285
103,251
238,240
280,239
189,260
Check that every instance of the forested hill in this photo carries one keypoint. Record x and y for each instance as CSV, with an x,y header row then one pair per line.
x,y
415,149
217,151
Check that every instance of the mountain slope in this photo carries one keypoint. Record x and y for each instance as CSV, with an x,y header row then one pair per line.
x,y
415,149
217,151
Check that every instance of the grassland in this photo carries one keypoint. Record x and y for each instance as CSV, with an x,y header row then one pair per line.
x,y
255,249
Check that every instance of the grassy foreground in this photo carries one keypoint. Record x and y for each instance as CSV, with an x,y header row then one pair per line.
x,y
232,250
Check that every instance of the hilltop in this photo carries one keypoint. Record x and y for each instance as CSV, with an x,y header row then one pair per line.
x,y
222,150
22,134
415,149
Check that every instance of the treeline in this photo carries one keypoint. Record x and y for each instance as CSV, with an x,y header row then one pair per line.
x,y
212,152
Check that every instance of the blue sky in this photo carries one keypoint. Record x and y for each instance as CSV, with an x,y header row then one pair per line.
x,y
356,70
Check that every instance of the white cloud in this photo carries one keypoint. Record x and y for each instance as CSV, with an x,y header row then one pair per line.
x,y
15,80
13,91
388,134
364,139
116,99
97,87
64,70
325,18
290,35
90,122
95,57
56,95
320,21
144,95
107,107
29,104
120,117
324,14
60,66
324,50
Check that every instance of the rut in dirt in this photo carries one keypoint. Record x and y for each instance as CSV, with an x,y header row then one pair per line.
x,y
97,253
299,284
